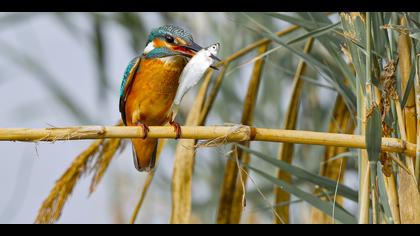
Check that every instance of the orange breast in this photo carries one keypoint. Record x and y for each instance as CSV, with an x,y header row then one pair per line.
x,y
153,90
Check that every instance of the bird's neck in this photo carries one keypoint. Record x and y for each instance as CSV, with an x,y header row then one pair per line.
x,y
173,60
163,54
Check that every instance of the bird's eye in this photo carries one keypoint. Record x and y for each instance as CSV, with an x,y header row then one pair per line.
x,y
169,39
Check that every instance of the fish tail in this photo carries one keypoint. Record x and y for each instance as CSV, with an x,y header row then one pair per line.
x,y
144,153
174,111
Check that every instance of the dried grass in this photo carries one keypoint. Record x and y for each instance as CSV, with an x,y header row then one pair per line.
x,y
52,207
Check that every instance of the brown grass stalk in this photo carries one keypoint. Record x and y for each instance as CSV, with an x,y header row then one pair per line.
x,y
417,94
286,150
231,200
391,189
364,173
408,189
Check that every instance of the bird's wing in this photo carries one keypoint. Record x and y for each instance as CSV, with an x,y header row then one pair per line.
x,y
127,82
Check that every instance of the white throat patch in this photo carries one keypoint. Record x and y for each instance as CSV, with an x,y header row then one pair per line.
x,y
150,46
172,59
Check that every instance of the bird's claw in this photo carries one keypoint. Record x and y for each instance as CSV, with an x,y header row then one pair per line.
x,y
177,128
145,129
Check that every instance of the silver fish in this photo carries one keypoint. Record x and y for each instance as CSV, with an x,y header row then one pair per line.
x,y
193,72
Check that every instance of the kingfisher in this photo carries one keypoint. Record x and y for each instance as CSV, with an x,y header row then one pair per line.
x,y
149,86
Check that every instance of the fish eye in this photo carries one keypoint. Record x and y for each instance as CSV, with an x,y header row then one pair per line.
x,y
169,39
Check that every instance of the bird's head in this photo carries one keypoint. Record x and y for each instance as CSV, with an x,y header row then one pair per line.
x,y
170,40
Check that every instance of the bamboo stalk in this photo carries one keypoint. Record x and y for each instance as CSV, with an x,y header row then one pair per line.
x,y
204,133
231,205
286,150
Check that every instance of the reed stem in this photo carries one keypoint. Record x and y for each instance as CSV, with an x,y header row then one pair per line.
x,y
246,133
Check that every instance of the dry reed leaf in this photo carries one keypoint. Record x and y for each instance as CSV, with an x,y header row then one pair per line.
x,y
347,54
109,148
51,208
286,149
105,155
388,81
233,188
341,122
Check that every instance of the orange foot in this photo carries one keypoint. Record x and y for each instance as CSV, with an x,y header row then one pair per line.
x,y
177,128
145,129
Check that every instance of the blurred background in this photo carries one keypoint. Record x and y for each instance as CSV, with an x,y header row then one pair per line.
x,y
64,69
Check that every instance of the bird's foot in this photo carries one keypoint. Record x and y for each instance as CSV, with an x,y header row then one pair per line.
x,y
177,128
145,129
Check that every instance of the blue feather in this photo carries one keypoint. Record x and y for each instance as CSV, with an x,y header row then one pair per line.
x,y
160,52
127,78
173,30
126,73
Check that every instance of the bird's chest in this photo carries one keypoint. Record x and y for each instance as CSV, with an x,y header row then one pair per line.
x,y
161,76
154,90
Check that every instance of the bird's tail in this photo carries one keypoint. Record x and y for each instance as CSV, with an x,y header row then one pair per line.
x,y
144,153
